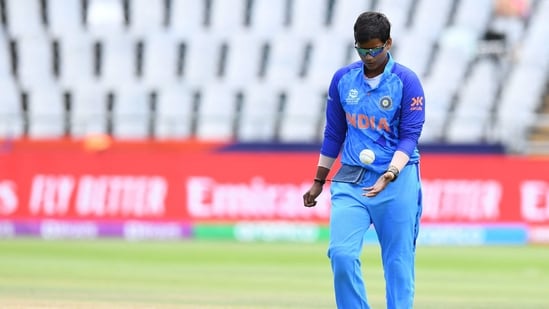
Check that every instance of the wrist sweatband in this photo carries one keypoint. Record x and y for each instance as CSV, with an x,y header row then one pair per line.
x,y
394,170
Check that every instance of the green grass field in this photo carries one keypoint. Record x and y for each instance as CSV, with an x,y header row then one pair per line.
x,y
213,274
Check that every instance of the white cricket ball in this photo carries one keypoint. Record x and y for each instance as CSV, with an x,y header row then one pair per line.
x,y
367,156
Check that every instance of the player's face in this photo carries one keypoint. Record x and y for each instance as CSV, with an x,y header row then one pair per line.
x,y
374,55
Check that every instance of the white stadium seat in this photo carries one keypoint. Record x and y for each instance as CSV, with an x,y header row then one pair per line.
x,y
160,59
267,17
89,110
479,90
34,62
46,112
227,17
308,17
146,16
259,113
105,17
76,61
438,102
413,55
286,57
397,11
119,58
202,58
429,19
328,54
11,110
187,16
216,115
5,58
303,113
65,18
474,14
131,112
24,18
174,112
244,59
467,129
344,16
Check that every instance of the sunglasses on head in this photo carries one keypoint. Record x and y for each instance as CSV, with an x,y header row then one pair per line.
x,y
363,52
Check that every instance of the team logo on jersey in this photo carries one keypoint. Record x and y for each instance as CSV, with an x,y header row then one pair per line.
x,y
417,104
386,103
352,97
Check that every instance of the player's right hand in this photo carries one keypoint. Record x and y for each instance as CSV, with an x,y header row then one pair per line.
x,y
309,198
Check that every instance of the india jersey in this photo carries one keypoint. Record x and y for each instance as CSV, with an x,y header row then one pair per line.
x,y
383,118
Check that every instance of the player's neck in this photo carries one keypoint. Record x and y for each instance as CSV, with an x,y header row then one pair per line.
x,y
377,71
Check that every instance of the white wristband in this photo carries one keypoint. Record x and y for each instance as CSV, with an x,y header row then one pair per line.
x,y
325,161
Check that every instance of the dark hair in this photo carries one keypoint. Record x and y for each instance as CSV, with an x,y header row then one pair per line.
x,y
372,25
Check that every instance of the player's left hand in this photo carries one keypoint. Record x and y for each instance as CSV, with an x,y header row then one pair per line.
x,y
380,184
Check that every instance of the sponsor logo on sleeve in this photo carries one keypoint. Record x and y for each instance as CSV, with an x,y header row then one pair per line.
x,y
417,104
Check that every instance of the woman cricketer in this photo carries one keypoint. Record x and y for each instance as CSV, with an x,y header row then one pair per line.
x,y
377,104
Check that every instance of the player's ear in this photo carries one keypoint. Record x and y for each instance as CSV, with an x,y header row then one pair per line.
x,y
388,44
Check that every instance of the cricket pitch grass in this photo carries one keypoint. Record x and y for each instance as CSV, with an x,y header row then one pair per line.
x,y
110,273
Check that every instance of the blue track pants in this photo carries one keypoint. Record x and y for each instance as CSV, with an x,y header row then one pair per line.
x,y
395,213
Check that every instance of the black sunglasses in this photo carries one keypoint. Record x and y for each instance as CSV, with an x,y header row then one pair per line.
x,y
363,52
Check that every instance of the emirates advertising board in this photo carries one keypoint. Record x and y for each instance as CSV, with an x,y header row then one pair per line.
x,y
154,192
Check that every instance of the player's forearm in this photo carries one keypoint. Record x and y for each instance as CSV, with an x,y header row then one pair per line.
x,y
322,173
400,159
324,165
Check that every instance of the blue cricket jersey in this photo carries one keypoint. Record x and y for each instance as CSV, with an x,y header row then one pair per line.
x,y
384,119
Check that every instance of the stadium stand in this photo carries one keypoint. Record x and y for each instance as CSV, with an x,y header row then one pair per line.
x,y
472,113
89,110
105,18
217,111
187,17
11,123
298,124
258,70
227,17
65,19
147,17
174,112
244,59
155,71
24,18
267,17
131,112
46,112
260,121
538,138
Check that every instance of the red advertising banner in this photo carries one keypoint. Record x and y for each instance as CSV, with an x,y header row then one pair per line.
x,y
154,182
482,188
